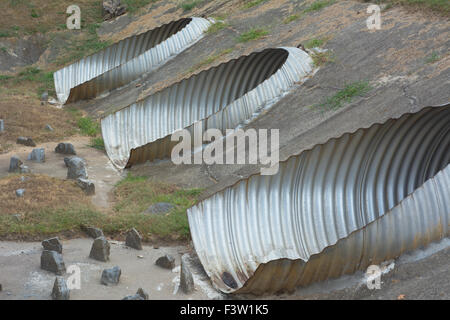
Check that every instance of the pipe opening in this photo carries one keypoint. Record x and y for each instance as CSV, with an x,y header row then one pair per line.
x,y
386,185
142,131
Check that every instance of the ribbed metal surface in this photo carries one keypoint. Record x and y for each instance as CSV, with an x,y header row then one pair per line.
x,y
274,224
221,97
126,60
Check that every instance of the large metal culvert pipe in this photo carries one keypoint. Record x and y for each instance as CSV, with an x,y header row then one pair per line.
x,y
357,200
126,60
221,97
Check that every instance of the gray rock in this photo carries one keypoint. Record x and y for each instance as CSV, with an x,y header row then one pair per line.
x,y
17,217
141,294
87,186
186,278
166,262
66,161
60,289
111,276
100,249
20,193
52,261
14,164
2,125
65,148
92,232
133,239
52,244
44,96
26,141
24,169
112,9
37,155
76,168
48,127
159,208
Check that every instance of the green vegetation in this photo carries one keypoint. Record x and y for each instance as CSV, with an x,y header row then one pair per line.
x,y
346,95
133,6
34,75
253,34
189,5
319,5
97,143
433,57
34,14
253,3
88,126
313,43
216,27
322,58
291,18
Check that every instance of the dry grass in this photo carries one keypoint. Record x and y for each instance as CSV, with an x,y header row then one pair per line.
x,y
40,192
24,116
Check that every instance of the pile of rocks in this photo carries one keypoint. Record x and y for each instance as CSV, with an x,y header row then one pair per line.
x,y
112,9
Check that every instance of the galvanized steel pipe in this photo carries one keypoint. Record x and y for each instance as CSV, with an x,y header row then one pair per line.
x,y
126,60
221,97
359,199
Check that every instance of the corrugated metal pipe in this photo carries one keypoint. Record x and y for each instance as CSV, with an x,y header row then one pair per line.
x,y
357,200
221,97
126,60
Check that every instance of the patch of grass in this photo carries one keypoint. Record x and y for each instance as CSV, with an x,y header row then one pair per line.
x,y
252,34
314,43
346,95
433,57
322,58
34,13
88,126
319,5
253,3
440,6
4,34
43,80
133,6
291,18
189,5
98,143
216,27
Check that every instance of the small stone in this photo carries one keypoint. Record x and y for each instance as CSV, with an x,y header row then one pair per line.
x,y
141,294
186,278
24,169
159,208
2,125
111,276
52,244
48,127
133,239
14,164
65,148
37,155
133,297
26,141
76,168
87,186
20,193
52,261
44,96
100,249
166,262
60,289
92,232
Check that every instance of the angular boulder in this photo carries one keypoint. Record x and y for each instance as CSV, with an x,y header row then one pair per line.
x,y
52,244
52,261
92,232
166,262
100,249
186,278
14,164
76,168
133,239
112,9
111,276
37,155
60,289
87,186
26,141
65,148
20,193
